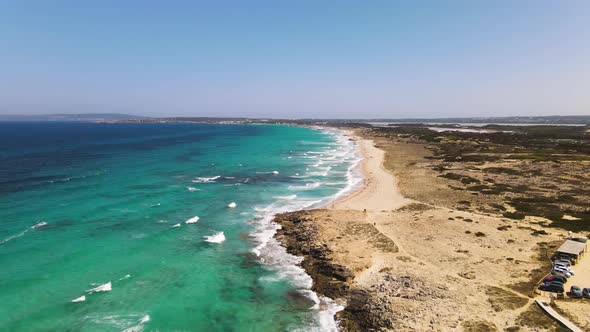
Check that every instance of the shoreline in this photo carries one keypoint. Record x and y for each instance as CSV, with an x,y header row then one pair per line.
x,y
404,253
379,187
290,265
377,191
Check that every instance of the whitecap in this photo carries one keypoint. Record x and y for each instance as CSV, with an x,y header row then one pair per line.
x,y
192,189
192,220
175,225
79,299
206,179
138,327
102,288
40,224
288,198
232,205
127,276
215,238
307,186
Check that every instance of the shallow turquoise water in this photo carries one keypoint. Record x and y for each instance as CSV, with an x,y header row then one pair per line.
x,y
111,194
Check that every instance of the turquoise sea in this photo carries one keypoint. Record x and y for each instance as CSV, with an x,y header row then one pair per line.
x,y
94,233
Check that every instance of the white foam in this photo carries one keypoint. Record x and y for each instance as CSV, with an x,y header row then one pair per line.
x,y
154,205
138,327
192,220
273,172
343,153
40,224
79,299
102,288
127,276
15,236
287,198
307,186
175,225
192,189
232,205
206,179
215,238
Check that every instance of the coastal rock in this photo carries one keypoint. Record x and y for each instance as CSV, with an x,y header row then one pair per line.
x,y
298,235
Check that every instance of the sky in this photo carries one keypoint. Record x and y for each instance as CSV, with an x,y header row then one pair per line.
x,y
296,59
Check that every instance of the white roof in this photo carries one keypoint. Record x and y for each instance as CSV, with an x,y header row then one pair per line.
x,y
572,247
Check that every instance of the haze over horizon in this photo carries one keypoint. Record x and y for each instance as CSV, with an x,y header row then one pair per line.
x,y
383,59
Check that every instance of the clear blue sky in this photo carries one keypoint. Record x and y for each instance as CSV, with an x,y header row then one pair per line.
x,y
296,58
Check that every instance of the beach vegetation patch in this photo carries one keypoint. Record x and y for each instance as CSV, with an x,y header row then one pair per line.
x,y
534,319
513,215
479,326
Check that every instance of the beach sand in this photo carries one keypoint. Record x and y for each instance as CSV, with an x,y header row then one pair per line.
x,y
405,260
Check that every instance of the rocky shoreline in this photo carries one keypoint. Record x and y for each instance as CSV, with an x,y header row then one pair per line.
x,y
300,236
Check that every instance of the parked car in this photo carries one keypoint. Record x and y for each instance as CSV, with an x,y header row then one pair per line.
x,y
563,275
580,239
563,262
564,257
565,272
552,288
568,269
557,283
559,278
568,273
586,292
575,292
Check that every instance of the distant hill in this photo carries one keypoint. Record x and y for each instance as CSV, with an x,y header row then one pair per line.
x,y
116,117
93,117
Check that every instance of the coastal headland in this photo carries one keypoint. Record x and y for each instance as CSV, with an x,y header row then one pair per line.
x,y
451,230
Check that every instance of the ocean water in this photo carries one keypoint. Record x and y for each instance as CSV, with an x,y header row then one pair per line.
x,y
105,215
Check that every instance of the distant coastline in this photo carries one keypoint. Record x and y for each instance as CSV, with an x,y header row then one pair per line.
x,y
466,121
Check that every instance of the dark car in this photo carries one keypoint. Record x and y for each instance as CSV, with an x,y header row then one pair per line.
x,y
586,292
575,291
551,288
555,278
579,239
559,274
564,257
556,283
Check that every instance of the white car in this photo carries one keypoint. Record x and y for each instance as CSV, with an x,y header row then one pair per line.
x,y
563,271
562,262
561,266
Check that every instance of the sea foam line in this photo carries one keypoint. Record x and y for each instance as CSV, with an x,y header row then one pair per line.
x,y
275,256
36,226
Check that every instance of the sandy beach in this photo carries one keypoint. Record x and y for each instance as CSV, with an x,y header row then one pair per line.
x,y
404,259
379,191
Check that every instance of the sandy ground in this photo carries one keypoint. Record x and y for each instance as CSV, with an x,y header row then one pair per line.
x,y
421,265
380,190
